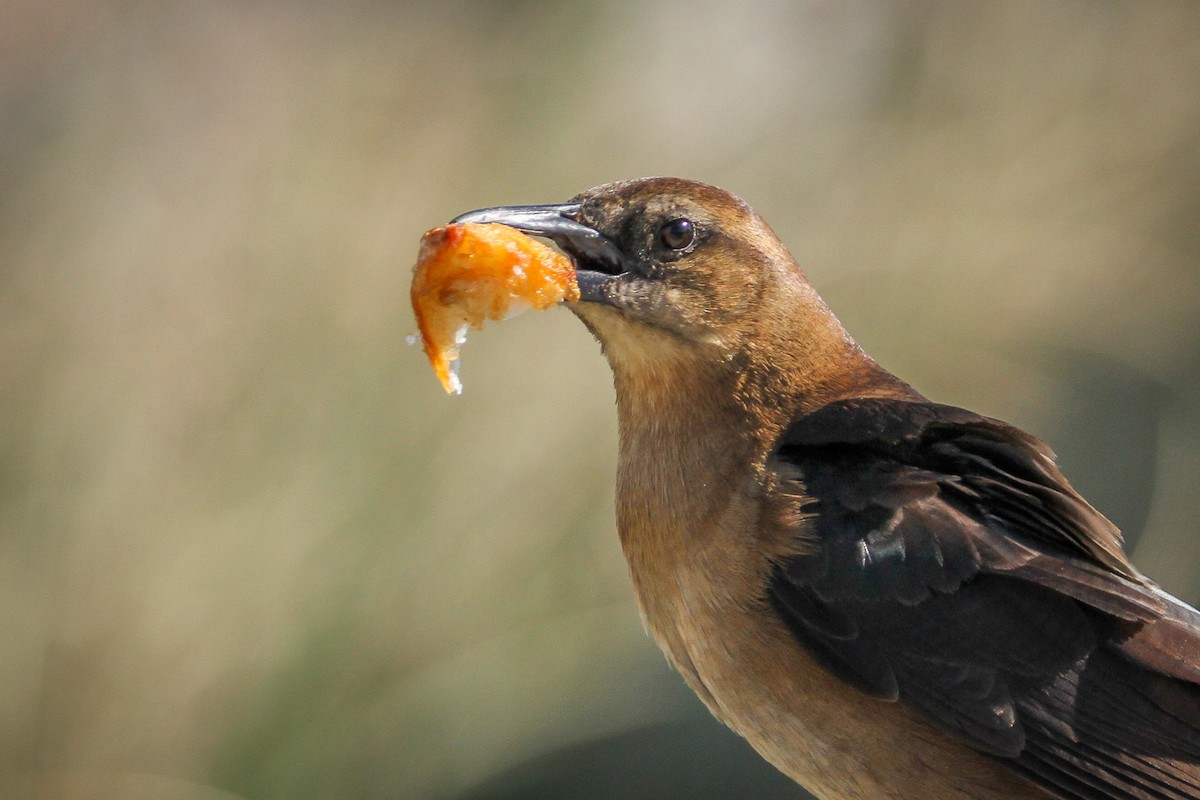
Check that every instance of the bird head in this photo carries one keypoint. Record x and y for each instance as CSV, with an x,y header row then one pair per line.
x,y
678,278
687,260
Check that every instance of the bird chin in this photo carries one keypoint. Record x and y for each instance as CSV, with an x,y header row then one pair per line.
x,y
600,317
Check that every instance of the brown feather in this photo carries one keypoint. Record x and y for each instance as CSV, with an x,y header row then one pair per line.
x,y
809,538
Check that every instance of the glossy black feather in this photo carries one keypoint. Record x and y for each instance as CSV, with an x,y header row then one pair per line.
x,y
949,565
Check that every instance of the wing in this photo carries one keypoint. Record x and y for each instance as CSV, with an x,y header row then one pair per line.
x,y
939,558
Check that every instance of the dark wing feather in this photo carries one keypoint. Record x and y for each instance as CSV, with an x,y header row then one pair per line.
x,y
947,563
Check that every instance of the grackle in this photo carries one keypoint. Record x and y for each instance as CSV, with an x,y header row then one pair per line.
x,y
888,597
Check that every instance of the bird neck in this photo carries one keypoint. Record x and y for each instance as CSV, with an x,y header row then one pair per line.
x,y
798,358
730,398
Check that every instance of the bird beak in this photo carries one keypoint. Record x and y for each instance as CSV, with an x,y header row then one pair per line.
x,y
598,261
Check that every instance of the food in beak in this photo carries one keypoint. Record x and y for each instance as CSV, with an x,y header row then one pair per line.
x,y
468,273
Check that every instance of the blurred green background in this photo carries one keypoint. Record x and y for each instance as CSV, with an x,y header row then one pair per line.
x,y
249,549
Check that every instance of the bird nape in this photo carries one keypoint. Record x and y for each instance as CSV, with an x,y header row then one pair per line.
x,y
889,598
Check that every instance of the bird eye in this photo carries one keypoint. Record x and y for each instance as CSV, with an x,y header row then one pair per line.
x,y
677,234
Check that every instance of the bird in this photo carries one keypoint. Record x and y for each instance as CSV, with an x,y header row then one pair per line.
x,y
887,597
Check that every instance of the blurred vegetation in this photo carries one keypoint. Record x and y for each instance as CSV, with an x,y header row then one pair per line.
x,y
249,549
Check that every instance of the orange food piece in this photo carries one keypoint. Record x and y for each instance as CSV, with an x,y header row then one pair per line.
x,y
469,273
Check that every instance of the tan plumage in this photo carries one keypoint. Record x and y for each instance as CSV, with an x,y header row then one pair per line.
x,y
888,598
